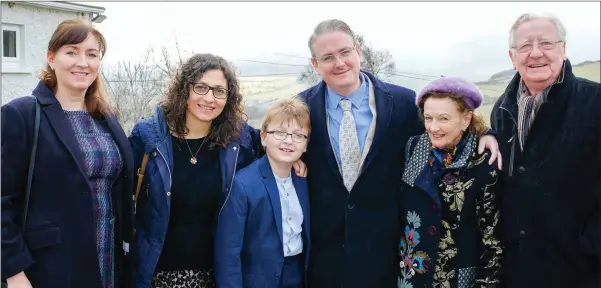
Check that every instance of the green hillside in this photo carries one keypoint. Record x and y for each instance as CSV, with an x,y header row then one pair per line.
x,y
493,88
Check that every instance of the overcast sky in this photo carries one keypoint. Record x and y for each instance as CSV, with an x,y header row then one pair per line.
x,y
467,39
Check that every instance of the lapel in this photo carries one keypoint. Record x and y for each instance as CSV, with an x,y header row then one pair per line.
x,y
228,165
384,112
302,192
300,185
272,191
320,137
54,112
372,126
549,115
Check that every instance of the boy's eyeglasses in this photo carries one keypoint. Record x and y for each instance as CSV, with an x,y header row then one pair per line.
x,y
281,135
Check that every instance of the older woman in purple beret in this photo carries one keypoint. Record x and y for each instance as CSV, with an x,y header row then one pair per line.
x,y
448,198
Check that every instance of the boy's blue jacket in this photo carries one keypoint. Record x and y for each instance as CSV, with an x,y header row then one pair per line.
x,y
248,247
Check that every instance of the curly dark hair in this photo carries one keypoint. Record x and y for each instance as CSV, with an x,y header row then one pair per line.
x,y
226,127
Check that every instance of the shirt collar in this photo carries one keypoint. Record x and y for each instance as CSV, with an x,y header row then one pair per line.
x,y
280,179
356,98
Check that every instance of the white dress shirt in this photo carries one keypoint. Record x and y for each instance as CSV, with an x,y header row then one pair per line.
x,y
292,216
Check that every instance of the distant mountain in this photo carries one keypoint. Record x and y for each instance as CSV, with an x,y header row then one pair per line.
x,y
502,74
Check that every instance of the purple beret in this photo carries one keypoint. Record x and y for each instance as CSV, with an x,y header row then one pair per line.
x,y
470,92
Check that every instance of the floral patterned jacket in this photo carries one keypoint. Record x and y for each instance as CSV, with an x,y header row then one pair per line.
x,y
449,215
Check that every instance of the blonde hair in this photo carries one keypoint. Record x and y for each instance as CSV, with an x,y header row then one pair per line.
x,y
288,110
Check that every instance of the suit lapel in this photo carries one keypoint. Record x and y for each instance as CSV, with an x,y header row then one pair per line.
x,y
301,192
65,133
384,112
274,195
320,136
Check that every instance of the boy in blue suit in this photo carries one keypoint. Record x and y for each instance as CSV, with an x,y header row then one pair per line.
x,y
263,230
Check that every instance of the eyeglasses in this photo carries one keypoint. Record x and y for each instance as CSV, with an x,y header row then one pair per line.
x,y
281,135
330,58
543,45
201,89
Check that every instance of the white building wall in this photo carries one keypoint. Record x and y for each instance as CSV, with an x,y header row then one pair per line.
x,y
38,25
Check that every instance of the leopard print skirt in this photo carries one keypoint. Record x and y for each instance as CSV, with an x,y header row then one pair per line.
x,y
184,279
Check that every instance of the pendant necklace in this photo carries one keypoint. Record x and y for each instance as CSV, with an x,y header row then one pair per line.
x,y
193,160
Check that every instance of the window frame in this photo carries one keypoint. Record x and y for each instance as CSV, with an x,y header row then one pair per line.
x,y
18,39
19,63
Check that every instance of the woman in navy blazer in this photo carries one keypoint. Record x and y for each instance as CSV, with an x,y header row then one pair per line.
x,y
263,231
80,207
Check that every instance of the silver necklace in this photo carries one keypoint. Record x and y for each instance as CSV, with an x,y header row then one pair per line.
x,y
193,160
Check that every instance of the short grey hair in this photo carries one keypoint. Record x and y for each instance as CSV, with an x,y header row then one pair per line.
x,y
327,26
561,30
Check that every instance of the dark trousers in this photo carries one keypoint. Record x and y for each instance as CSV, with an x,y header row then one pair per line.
x,y
293,272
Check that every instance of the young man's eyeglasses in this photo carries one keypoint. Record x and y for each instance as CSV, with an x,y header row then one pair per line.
x,y
202,89
281,135
330,58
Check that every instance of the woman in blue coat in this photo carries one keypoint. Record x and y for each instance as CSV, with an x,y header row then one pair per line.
x,y
80,207
196,141
449,200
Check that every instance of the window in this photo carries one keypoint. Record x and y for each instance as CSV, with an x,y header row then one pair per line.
x,y
12,47
10,43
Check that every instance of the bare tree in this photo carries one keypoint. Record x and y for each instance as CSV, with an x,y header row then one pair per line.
x,y
377,62
309,76
165,63
136,87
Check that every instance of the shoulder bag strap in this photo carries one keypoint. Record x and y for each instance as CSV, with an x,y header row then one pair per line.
x,y
31,161
141,171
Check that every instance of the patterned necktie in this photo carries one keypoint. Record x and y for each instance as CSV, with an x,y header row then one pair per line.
x,y
350,154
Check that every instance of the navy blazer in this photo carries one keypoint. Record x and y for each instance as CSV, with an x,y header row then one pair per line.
x,y
354,236
151,136
248,247
58,245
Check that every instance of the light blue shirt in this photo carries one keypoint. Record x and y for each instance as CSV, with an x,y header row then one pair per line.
x,y
292,216
360,109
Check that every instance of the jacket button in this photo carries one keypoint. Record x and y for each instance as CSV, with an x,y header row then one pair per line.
x,y
227,189
522,233
432,230
154,154
351,206
168,194
521,169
